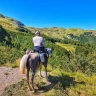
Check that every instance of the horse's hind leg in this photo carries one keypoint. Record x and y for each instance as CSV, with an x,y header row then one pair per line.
x,y
40,70
33,74
27,76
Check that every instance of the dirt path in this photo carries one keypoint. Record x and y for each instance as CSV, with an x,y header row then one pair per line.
x,y
9,76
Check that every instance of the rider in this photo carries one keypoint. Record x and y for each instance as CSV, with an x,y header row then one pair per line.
x,y
38,41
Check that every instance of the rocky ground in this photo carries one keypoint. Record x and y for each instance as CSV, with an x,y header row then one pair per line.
x,y
9,76
12,83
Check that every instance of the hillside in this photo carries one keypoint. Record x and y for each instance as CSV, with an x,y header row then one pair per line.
x,y
4,20
75,34
71,69
72,49
12,24
61,84
85,36
68,47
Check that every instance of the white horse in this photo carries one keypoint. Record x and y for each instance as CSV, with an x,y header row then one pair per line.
x,y
31,61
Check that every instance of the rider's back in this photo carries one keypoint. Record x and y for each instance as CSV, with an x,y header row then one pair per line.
x,y
38,41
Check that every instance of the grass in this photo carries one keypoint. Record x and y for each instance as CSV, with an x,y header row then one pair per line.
x,y
62,84
15,64
75,84
68,47
85,86
19,89
6,23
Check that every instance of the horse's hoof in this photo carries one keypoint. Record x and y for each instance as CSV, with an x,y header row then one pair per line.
x,y
41,76
30,89
34,91
37,85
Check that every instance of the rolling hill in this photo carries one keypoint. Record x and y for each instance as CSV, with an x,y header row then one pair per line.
x,y
72,67
75,34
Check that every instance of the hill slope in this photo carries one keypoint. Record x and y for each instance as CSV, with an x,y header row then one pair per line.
x,y
77,34
73,62
61,84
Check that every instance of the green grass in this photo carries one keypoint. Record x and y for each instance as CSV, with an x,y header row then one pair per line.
x,y
53,32
68,47
80,85
6,23
62,84
19,89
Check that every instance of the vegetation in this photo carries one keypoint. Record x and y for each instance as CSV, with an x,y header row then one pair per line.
x,y
62,84
74,55
70,54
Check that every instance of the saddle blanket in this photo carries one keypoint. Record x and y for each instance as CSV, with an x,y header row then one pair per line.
x,y
42,57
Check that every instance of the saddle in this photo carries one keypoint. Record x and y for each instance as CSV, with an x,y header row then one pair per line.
x,y
42,55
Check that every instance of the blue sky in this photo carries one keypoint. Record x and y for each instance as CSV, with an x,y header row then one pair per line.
x,y
52,13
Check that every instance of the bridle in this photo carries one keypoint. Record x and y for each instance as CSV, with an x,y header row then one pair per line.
x,y
48,52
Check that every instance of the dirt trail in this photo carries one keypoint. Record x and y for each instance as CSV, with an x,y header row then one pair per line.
x,y
9,76
11,79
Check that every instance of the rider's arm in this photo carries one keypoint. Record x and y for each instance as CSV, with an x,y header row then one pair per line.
x,y
43,44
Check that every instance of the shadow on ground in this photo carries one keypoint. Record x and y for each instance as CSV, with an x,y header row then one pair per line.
x,y
59,83
55,82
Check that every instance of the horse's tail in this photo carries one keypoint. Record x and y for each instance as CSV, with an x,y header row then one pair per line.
x,y
23,63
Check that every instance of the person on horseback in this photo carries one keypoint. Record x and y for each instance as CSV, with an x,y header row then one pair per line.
x,y
38,41
39,46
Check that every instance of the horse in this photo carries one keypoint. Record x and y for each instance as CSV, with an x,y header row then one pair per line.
x,y
31,61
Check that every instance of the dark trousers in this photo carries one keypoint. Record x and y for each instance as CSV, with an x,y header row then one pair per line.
x,y
38,49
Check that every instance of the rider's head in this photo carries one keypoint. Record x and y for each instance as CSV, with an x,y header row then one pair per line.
x,y
37,33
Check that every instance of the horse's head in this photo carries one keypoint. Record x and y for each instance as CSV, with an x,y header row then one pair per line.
x,y
49,51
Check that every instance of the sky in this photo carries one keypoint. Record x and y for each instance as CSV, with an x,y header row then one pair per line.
x,y
52,13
